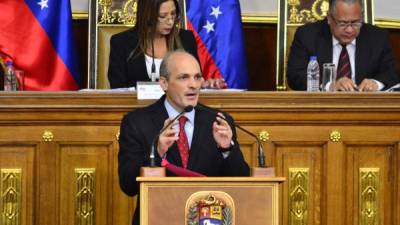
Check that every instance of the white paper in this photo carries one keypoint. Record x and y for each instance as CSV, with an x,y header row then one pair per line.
x,y
149,90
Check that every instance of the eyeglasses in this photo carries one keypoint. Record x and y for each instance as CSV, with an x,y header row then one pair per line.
x,y
345,24
166,19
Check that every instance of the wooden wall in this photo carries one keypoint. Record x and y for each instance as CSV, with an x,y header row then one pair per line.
x,y
81,31
395,40
260,51
261,55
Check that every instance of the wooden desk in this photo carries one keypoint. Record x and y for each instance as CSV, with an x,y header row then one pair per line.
x,y
174,197
339,153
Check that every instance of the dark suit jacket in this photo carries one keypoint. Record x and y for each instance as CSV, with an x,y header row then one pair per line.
x,y
373,58
126,67
138,129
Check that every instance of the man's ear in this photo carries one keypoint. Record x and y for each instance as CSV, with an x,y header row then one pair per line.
x,y
163,83
329,19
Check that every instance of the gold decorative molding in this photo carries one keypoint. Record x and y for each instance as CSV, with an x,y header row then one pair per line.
x,y
246,18
256,18
85,196
80,15
267,19
281,88
318,11
47,136
126,14
335,136
263,136
117,135
10,204
105,5
388,23
369,196
273,19
298,196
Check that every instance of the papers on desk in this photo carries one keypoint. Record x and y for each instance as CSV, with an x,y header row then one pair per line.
x,y
152,90
149,90
394,88
222,90
110,90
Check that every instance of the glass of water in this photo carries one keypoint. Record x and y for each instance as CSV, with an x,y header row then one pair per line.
x,y
328,77
20,76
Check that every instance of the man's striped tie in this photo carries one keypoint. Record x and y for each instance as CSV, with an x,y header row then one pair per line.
x,y
344,68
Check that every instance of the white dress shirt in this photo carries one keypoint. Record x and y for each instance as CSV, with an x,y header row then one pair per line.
x,y
351,50
189,125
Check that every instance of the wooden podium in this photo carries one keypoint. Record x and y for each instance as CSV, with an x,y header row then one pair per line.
x,y
181,200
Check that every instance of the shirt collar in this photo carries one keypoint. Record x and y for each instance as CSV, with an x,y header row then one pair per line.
x,y
172,113
336,42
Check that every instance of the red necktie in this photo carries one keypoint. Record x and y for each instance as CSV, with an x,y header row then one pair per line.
x,y
344,68
182,142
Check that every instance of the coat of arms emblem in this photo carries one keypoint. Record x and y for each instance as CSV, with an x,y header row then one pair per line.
x,y
210,208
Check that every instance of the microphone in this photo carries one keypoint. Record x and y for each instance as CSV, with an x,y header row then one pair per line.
x,y
261,157
188,108
153,65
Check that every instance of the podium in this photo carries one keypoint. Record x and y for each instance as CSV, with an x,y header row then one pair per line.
x,y
229,200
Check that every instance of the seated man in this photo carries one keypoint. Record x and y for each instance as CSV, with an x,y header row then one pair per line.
x,y
209,142
361,52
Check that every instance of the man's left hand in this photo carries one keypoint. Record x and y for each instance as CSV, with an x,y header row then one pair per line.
x,y
214,84
222,132
368,85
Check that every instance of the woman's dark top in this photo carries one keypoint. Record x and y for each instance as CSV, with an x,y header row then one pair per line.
x,y
127,65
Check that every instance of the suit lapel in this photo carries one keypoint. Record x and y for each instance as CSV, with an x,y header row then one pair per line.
x,y
361,57
137,68
324,45
159,115
200,129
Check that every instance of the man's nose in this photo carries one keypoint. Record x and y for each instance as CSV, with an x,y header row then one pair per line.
x,y
349,29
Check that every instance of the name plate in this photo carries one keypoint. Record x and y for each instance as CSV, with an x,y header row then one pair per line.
x,y
148,90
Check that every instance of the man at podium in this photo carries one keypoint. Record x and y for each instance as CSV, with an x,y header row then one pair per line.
x,y
198,140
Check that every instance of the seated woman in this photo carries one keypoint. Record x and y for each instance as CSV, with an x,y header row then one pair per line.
x,y
136,54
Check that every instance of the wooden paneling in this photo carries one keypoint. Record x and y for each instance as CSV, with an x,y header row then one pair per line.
x,y
323,143
395,39
17,198
75,158
260,44
370,156
252,200
303,203
81,32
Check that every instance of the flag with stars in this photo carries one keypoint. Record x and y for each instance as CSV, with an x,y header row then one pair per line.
x,y
37,36
217,27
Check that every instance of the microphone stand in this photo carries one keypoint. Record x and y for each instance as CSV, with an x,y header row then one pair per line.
x,y
261,170
153,64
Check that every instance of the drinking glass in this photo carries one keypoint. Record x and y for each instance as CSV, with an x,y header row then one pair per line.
x,y
328,77
20,75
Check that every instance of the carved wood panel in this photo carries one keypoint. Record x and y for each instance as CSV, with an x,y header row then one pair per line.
x,y
17,174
